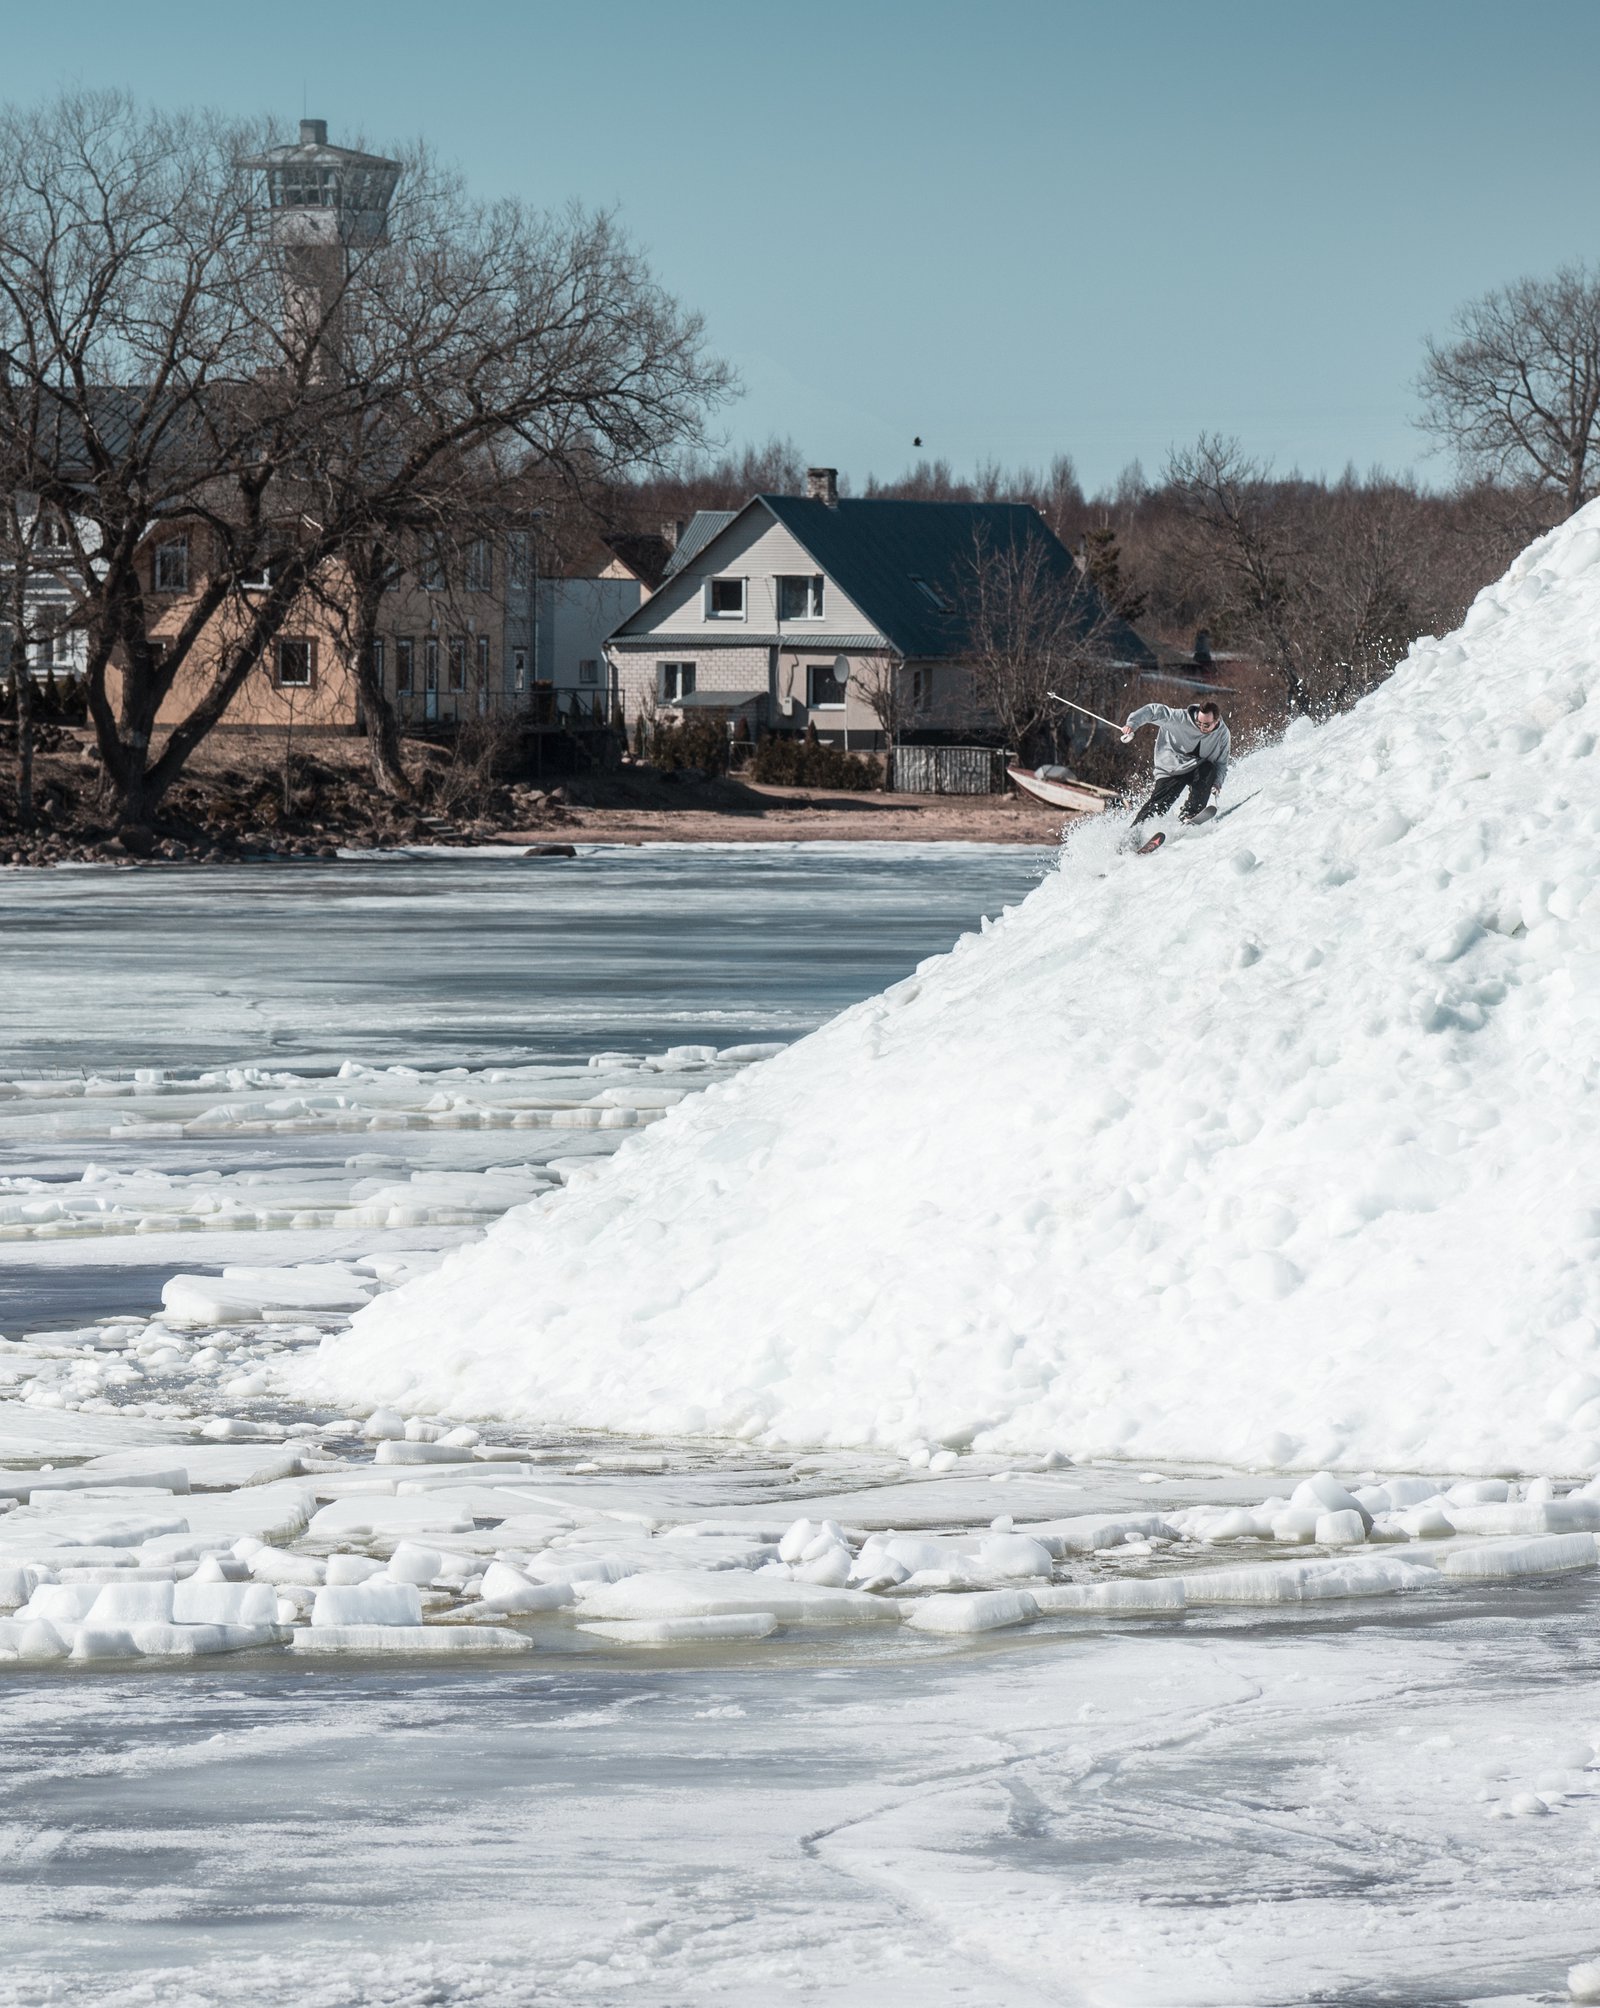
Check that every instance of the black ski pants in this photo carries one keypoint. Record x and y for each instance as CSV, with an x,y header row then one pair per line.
x,y
1199,780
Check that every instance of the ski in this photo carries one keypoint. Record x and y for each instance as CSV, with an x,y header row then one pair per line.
x,y
1208,818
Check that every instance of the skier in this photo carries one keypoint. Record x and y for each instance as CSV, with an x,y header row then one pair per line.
x,y
1191,752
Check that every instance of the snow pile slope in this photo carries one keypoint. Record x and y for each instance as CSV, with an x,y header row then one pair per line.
x,y
1282,1145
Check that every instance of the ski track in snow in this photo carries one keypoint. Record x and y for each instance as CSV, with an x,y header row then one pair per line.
x,y
1228,1822
1276,1148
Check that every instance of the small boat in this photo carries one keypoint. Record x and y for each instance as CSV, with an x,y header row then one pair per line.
x,y
1055,786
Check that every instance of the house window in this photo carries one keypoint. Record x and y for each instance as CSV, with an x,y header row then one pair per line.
x,y
431,571
296,665
405,666
675,680
458,662
483,662
430,663
800,599
377,661
64,649
725,599
517,556
589,672
480,565
825,684
258,578
519,669
934,595
52,532
172,566
922,690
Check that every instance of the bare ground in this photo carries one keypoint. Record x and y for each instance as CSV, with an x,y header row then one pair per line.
x,y
246,796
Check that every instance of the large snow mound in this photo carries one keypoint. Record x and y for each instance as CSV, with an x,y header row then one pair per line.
x,y
1280,1146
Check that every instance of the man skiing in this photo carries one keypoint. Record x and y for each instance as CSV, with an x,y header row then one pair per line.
x,y
1191,752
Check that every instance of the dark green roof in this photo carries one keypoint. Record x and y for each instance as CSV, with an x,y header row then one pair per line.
x,y
897,560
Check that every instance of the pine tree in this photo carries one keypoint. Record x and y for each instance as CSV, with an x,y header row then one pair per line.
x,y
1102,565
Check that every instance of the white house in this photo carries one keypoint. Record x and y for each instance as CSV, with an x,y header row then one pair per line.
x,y
793,610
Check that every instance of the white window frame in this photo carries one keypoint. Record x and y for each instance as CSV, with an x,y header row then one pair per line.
x,y
519,556
589,670
480,566
816,669
519,669
815,594
922,690
306,682
178,547
714,614
673,673
405,665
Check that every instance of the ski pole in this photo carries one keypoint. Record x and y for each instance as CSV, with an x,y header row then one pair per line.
x,y
1067,701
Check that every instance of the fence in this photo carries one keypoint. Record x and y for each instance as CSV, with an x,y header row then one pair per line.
x,y
949,770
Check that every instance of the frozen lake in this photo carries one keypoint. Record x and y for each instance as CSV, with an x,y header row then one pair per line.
x,y
388,959
214,1079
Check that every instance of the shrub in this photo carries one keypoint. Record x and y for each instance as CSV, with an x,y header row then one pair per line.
x,y
701,742
807,763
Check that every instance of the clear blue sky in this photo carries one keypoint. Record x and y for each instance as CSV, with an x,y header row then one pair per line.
x,y
1015,228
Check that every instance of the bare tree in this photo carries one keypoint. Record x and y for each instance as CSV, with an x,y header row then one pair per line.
x,y
1516,392
1327,584
1034,624
145,316
881,680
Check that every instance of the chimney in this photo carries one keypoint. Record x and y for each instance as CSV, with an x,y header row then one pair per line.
x,y
670,533
822,485
313,132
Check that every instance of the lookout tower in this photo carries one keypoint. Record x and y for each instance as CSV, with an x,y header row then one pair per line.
x,y
324,202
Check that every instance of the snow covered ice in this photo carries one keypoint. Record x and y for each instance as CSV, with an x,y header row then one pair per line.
x,y
1276,1148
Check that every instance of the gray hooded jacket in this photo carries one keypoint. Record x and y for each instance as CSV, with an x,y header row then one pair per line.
x,y
1180,743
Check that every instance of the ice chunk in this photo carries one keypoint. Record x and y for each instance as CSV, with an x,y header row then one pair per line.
x,y
277,1565
60,1603
1346,1529
1502,1561
411,1563
31,1639
507,1589
190,1641
1014,1555
197,1603
1307,1582
344,1569
377,1602
670,1593
683,1631
133,1604
979,1611
1133,1596
425,1639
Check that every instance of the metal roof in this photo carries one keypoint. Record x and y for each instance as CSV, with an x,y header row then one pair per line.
x,y
713,700
702,526
904,564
